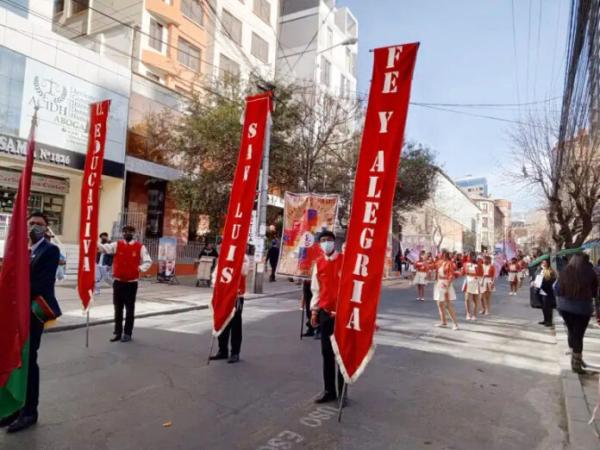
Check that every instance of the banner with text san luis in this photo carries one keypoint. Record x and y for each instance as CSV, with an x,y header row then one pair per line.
x,y
90,201
374,188
239,212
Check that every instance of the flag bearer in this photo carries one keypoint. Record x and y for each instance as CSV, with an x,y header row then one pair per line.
x,y
130,258
325,284
43,265
234,327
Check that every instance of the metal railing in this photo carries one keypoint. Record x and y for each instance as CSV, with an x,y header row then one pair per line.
x,y
187,253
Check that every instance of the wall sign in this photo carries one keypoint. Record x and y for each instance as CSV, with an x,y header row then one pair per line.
x,y
39,183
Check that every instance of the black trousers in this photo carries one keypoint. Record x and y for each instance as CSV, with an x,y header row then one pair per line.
x,y
327,324
124,297
233,329
307,294
548,304
576,326
33,376
273,265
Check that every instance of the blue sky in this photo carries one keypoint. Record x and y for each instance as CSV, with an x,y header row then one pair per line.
x,y
467,55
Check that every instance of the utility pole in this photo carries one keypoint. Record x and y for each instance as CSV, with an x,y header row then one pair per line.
x,y
263,199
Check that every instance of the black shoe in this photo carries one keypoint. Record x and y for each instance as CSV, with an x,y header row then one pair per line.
x,y
233,359
218,356
308,333
23,422
549,324
542,323
326,398
115,338
126,338
6,421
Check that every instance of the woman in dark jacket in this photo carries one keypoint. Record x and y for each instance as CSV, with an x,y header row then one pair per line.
x,y
576,288
546,292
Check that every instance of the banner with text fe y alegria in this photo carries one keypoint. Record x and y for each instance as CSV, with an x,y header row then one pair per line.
x,y
90,202
239,212
374,188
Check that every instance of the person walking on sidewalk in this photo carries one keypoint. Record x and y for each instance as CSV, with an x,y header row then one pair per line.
x,y
273,258
576,287
443,291
44,307
130,258
547,278
103,265
234,327
325,284
421,273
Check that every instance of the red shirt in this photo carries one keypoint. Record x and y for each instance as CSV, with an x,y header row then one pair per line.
x,y
126,264
328,275
421,266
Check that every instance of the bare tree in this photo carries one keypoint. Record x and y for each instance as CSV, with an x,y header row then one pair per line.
x,y
571,189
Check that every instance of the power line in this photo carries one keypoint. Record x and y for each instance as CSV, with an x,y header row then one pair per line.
x,y
514,32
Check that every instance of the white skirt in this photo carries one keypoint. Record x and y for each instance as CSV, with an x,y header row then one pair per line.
x,y
440,292
471,285
520,275
512,276
420,278
487,285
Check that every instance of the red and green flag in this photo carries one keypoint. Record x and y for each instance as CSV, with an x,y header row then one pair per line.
x,y
15,301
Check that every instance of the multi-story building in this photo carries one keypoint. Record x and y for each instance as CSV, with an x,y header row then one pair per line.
x,y
502,219
474,186
244,39
450,220
486,205
318,46
40,66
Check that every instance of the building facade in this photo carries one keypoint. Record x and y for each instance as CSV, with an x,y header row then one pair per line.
x,y
39,66
474,186
319,46
450,220
486,205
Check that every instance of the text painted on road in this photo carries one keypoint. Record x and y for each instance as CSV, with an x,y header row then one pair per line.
x,y
286,439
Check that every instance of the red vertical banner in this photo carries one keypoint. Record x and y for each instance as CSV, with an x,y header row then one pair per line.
x,y
374,188
90,202
239,212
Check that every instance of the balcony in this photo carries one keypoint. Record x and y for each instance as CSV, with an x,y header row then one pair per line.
x,y
170,14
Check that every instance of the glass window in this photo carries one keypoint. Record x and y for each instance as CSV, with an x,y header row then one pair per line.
x,y
78,6
325,72
50,204
343,85
156,35
192,9
262,8
228,68
329,37
232,27
59,6
260,48
12,73
189,55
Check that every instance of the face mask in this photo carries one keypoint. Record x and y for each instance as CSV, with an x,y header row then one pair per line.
x,y
104,240
36,232
327,247
128,237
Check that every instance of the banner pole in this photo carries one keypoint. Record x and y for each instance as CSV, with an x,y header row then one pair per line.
x,y
87,329
342,398
301,319
212,343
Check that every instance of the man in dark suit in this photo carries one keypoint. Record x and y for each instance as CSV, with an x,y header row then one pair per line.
x,y
43,265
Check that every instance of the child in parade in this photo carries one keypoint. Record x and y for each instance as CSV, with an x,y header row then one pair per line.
x,y
513,269
473,272
443,292
488,285
420,279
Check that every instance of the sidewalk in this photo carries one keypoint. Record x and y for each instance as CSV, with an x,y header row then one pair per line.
x,y
153,299
580,391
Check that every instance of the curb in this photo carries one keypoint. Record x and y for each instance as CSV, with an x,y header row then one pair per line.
x,y
93,323
581,435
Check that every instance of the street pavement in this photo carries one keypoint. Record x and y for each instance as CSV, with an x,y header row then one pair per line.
x,y
493,384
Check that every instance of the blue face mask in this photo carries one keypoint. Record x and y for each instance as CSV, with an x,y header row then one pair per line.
x,y
327,247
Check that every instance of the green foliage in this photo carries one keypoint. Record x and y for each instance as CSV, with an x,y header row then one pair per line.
x,y
416,177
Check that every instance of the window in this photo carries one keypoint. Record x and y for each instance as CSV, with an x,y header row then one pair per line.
x,y
329,37
348,59
12,74
153,76
343,85
50,204
325,72
78,6
232,27
484,222
228,68
188,55
192,9
156,35
262,8
484,207
260,48
59,6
